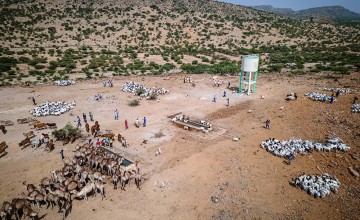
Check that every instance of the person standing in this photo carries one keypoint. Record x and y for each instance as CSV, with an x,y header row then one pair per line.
x,y
144,124
78,122
224,94
84,117
332,99
116,113
91,117
126,124
229,84
214,98
267,124
62,154
228,102
33,100
98,143
337,93
111,142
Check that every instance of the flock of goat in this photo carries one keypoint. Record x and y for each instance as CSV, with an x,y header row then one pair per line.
x,y
52,108
80,176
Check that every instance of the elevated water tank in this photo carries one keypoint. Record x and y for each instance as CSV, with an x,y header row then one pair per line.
x,y
250,63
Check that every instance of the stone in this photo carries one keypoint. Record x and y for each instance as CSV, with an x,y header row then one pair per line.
x,y
353,172
215,199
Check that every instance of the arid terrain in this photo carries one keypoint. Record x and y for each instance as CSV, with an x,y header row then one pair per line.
x,y
249,182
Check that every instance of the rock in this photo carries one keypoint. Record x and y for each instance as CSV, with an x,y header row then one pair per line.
x,y
215,199
353,172
357,167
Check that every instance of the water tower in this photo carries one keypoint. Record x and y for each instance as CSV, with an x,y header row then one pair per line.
x,y
249,73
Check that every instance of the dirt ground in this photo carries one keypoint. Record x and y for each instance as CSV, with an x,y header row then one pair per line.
x,y
249,182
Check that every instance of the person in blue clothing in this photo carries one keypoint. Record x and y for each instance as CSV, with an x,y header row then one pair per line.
x,y
332,99
144,124
78,122
224,94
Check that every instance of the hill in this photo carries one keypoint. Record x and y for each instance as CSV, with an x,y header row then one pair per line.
x,y
337,13
44,41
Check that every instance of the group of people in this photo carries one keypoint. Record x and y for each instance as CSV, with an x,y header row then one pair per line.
x,y
137,122
217,82
110,83
84,118
97,97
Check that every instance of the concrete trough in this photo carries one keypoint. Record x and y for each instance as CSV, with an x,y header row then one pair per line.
x,y
193,124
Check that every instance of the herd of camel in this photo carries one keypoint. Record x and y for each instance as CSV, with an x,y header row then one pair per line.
x,y
80,176
83,175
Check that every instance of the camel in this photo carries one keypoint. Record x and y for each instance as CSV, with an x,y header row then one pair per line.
x,y
125,179
3,147
37,198
18,204
99,185
138,178
50,146
60,193
5,211
66,209
24,143
90,187
3,129
29,187
72,185
40,126
45,182
29,134
27,210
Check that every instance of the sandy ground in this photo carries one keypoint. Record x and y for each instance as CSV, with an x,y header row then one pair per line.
x,y
249,182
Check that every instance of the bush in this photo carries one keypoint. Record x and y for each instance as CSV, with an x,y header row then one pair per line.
x,y
153,96
134,102
67,132
140,91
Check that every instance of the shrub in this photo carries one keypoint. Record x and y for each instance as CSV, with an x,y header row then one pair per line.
x,y
134,102
67,132
140,91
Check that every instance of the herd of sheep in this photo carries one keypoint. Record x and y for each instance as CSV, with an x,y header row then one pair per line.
x,y
52,108
293,146
316,96
341,90
317,186
64,82
355,108
134,87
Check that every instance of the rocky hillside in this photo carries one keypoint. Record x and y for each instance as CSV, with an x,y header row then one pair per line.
x,y
337,13
50,40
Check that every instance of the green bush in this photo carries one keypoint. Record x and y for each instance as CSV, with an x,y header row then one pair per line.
x,y
140,91
134,102
67,132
